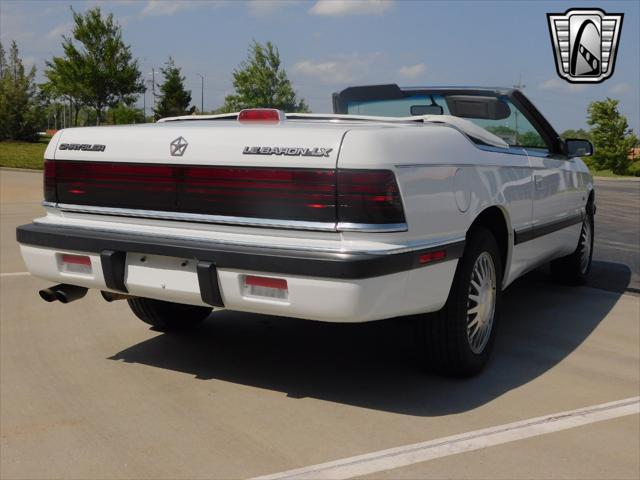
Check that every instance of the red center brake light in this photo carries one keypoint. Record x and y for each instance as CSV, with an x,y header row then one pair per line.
x,y
262,115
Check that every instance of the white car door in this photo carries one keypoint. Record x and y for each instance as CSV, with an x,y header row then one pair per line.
x,y
556,206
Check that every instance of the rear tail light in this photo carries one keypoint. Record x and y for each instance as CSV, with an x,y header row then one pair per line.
x,y
369,196
138,186
298,194
50,181
286,194
262,115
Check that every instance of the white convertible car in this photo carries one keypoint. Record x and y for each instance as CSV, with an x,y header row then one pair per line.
x,y
425,202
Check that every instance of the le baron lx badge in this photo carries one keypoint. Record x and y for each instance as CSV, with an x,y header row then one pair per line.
x,y
585,43
290,151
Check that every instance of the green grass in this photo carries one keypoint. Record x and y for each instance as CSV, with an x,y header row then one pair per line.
x,y
608,173
23,154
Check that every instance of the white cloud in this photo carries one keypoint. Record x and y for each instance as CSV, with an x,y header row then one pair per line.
x,y
558,85
338,8
267,7
29,62
162,7
412,71
339,70
621,88
60,30
328,72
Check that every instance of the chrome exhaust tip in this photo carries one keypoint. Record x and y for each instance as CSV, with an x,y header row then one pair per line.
x,y
63,293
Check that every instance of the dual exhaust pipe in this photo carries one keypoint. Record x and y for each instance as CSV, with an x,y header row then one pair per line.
x,y
65,293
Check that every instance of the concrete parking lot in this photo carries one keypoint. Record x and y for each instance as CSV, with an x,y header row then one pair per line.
x,y
88,391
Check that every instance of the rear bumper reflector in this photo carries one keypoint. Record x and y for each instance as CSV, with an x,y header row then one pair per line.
x,y
434,256
266,287
267,282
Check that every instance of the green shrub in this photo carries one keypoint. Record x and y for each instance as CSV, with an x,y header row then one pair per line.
x,y
634,168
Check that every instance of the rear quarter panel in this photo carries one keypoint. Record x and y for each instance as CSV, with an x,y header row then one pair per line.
x,y
446,181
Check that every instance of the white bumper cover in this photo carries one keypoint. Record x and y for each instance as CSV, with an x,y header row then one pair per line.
x,y
175,278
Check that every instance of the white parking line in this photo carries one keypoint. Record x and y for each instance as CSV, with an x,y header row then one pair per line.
x,y
14,274
421,452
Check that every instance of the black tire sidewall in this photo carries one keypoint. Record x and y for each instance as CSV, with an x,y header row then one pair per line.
x,y
588,219
479,240
167,316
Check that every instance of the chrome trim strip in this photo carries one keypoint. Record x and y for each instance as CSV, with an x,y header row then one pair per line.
x,y
371,227
197,217
407,247
227,220
513,150
457,165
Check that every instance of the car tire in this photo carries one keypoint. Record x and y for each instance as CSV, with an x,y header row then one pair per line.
x,y
167,316
574,269
458,340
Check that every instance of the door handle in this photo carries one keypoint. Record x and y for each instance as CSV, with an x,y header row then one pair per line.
x,y
538,180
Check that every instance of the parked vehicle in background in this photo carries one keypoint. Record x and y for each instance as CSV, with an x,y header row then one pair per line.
x,y
424,201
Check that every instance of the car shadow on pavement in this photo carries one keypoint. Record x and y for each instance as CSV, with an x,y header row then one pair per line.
x,y
374,365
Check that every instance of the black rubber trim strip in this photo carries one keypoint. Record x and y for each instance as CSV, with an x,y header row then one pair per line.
x,y
208,282
531,233
261,259
113,266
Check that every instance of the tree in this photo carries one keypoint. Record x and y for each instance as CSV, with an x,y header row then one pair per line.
x,y
97,69
174,99
261,82
611,136
20,112
4,96
580,133
531,139
123,114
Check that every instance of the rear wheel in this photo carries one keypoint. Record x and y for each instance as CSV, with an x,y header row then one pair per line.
x,y
167,316
574,269
458,339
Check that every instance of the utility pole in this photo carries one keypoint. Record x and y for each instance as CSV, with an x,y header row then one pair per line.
x,y
144,104
153,86
201,93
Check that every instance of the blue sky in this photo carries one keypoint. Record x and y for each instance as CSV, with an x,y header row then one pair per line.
x,y
328,45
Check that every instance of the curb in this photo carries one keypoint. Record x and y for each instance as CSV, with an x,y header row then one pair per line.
x,y
16,169
614,179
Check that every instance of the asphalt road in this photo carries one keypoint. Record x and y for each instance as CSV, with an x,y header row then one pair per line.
x,y
87,391
616,256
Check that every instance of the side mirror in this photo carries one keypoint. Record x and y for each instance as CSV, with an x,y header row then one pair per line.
x,y
574,147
